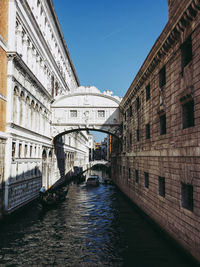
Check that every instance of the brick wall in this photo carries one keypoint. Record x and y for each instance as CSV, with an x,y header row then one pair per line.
x,y
4,19
172,155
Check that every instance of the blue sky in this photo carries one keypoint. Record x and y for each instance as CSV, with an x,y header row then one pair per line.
x,y
108,40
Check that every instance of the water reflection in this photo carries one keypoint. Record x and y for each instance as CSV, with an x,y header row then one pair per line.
x,y
93,227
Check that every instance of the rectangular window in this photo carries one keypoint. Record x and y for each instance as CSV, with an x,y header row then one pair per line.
x,y
130,137
124,171
136,176
148,131
137,135
162,77
188,114
186,52
20,151
163,124
161,186
146,179
137,103
13,149
25,150
148,95
187,196
31,151
129,173
73,113
101,113
130,111
120,169
125,115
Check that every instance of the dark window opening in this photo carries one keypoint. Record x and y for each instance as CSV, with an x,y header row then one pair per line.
x,y
148,131
146,179
137,103
137,135
162,77
161,185
188,114
124,171
129,173
148,92
130,138
130,111
136,176
13,149
163,124
52,86
186,52
20,151
187,196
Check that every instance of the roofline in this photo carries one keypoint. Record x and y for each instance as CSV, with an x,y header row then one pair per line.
x,y
52,9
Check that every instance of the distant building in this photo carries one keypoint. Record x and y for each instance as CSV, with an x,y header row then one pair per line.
x,y
91,147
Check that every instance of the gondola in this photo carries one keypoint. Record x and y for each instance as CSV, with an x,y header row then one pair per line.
x,y
51,198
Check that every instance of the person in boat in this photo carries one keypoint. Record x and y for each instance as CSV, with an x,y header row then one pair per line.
x,y
42,192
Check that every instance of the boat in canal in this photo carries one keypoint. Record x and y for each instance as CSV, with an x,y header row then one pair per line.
x,y
51,198
93,180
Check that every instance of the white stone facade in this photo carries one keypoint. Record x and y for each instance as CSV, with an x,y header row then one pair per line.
x,y
86,108
39,69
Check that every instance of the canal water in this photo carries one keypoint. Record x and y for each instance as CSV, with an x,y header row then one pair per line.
x,y
92,227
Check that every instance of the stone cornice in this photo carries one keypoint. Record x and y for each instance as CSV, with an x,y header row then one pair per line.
x,y
169,36
42,39
12,55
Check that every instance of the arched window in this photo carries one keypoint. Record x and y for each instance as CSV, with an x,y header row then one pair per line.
x,y
52,86
56,87
15,104
21,107
32,113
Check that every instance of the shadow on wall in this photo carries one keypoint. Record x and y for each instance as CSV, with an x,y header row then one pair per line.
x,y
20,190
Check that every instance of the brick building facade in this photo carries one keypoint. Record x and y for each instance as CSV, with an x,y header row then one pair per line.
x,y
159,165
3,89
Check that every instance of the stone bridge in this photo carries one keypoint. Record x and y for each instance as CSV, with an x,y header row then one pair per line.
x,y
99,162
86,109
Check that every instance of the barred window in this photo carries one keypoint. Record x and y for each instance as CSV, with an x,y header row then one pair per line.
x,y
161,186
186,52
137,103
137,135
188,114
162,77
73,113
129,173
130,111
148,95
101,113
147,131
130,138
163,124
187,196
146,179
136,176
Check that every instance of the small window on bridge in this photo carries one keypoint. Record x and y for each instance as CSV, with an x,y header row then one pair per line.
x,y
101,113
73,113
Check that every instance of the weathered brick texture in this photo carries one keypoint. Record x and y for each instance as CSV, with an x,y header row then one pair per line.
x,y
175,154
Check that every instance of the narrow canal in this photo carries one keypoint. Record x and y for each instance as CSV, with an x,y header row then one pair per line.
x,y
92,227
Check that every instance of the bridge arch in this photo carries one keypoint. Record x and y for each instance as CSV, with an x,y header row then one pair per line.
x,y
86,109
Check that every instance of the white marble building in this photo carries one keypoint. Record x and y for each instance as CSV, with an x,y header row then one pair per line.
x,y
39,69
